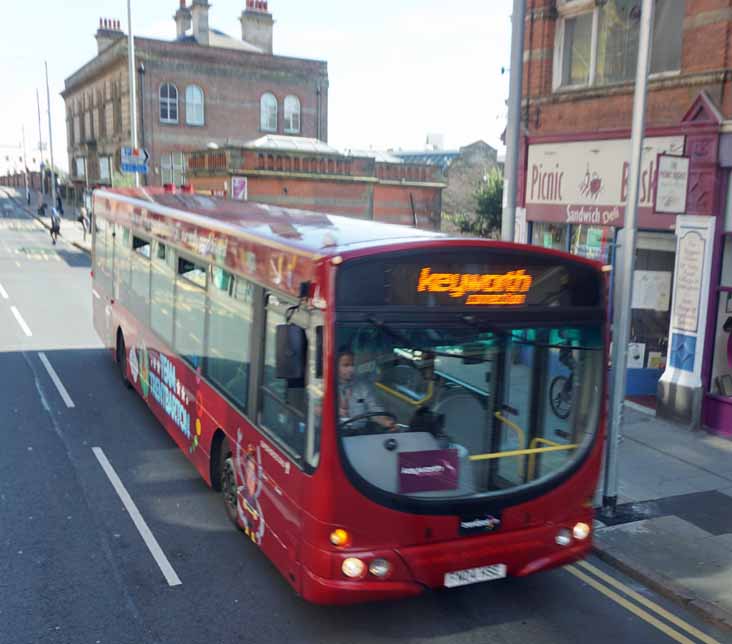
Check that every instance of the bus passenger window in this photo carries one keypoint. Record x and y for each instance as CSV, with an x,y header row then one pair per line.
x,y
190,311
162,287
284,402
228,348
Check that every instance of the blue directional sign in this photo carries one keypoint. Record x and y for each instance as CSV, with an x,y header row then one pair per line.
x,y
134,160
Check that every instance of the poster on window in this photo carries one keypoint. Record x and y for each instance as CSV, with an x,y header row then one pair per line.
x,y
651,290
636,355
239,188
671,184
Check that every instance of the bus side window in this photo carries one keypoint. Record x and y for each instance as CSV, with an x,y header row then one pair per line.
x,y
283,407
228,351
190,310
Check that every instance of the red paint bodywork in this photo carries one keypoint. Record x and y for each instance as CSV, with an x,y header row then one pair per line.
x,y
278,249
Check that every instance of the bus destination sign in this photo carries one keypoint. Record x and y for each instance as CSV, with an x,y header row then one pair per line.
x,y
497,289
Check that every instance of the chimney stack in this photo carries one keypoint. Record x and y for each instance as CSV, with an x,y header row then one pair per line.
x,y
182,20
199,10
108,33
257,25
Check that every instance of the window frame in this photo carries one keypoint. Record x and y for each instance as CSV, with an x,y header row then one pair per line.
x,y
288,127
262,126
569,9
196,105
168,101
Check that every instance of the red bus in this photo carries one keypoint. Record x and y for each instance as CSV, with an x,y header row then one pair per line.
x,y
383,409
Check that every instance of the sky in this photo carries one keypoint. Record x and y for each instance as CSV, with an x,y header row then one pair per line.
x,y
398,69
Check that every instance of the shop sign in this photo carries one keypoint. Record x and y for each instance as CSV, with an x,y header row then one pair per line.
x,y
586,182
239,188
672,184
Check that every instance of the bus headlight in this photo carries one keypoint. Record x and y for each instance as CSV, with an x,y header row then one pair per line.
x,y
353,567
380,568
563,538
581,531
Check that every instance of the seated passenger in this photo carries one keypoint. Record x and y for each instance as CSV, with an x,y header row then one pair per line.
x,y
355,396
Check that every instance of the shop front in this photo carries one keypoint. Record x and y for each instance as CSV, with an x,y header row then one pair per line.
x,y
575,192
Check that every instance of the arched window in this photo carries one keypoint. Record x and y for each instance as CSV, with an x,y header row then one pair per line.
x,y
292,115
268,113
168,103
194,105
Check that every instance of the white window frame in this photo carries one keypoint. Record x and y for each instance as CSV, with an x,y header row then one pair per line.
x,y
569,9
172,167
168,102
195,101
263,125
290,126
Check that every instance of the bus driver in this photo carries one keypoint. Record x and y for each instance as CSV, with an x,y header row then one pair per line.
x,y
355,396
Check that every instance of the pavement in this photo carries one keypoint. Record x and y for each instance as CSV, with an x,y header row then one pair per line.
x,y
672,529
71,229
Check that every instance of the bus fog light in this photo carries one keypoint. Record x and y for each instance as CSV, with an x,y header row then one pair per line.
x,y
581,531
353,567
380,568
563,538
339,537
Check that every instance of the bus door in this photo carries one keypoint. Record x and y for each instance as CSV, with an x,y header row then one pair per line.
x,y
281,450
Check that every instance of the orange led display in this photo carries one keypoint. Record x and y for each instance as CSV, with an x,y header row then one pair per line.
x,y
507,289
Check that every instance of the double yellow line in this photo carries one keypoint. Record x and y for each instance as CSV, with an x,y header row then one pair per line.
x,y
604,583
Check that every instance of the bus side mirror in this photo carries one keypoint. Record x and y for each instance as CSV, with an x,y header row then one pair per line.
x,y
291,352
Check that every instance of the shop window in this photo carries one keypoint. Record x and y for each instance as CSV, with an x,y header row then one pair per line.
x,y
549,235
721,381
597,43
592,242
105,169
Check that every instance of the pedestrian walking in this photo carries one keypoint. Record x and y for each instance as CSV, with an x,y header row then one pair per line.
x,y
82,219
55,225
59,205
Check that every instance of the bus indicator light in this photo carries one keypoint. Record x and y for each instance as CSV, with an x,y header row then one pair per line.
x,y
507,289
340,538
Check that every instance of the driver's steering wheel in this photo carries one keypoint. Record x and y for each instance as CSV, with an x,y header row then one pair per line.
x,y
369,428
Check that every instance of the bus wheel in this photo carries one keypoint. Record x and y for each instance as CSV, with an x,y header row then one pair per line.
x,y
122,359
229,491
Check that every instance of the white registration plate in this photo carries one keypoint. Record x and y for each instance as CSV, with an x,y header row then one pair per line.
x,y
474,575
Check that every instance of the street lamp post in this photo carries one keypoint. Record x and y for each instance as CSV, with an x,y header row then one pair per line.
x,y
50,142
133,93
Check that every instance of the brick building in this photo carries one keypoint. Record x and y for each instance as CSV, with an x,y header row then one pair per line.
x,y
579,69
203,87
308,174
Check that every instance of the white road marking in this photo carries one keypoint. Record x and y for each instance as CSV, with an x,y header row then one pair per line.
x,y
170,575
3,292
56,380
641,408
21,321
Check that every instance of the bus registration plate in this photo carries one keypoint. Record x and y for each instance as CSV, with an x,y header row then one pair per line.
x,y
474,575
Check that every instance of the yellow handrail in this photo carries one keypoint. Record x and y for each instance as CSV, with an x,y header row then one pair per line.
x,y
518,452
405,398
556,447
514,427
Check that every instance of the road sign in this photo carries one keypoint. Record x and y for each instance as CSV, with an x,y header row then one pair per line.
x,y
134,160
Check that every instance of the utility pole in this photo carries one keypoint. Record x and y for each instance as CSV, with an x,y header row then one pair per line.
x,y
513,131
624,265
133,93
40,144
25,168
50,141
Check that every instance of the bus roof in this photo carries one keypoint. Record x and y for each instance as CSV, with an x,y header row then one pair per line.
x,y
314,233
